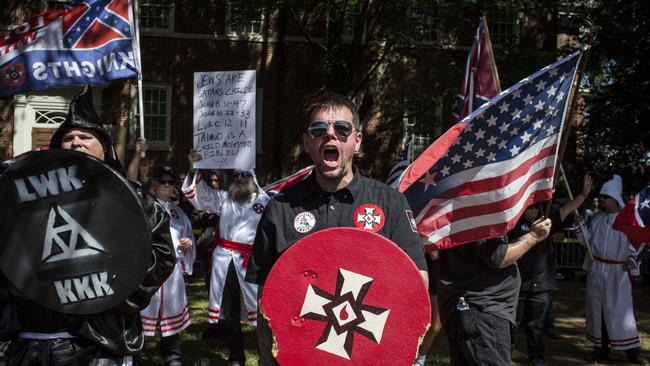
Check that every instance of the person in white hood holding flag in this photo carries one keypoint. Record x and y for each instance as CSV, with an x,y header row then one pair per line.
x,y
610,319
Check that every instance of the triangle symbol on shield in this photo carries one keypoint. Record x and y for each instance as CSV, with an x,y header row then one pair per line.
x,y
66,239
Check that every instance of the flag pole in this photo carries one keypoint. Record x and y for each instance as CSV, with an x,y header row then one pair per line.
x,y
470,95
580,224
572,101
566,125
568,119
136,23
493,65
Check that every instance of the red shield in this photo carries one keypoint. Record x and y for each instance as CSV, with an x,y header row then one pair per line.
x,y
346,296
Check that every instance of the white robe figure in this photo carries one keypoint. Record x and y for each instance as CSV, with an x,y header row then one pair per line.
x,y
169,305
237,227
609,287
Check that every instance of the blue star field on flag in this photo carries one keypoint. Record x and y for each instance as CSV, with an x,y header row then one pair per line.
x,y
525,114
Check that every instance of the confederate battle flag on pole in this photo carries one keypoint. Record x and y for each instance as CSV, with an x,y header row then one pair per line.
x,y
481,81
475,181
91,42
634,219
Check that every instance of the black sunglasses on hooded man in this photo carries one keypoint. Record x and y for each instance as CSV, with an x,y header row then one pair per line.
x,y
40,335
169,306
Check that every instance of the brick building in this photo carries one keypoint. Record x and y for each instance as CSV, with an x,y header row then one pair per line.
x,y
408,92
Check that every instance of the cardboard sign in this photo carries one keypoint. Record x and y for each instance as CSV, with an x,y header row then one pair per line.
x,y
224,119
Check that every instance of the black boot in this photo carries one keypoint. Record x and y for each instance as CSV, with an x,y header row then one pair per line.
x,y
634,356
600,354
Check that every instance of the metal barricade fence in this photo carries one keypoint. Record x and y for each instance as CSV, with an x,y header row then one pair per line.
x,y
569,253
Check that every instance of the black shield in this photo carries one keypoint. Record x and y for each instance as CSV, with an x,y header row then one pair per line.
x,y
73,234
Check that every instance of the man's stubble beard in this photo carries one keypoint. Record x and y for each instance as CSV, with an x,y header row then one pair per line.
x,y
342,172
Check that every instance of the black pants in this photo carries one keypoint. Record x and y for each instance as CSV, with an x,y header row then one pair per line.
x,y
531,312
232,313
478,338
60,352
264,340
170,348
205,259
549,319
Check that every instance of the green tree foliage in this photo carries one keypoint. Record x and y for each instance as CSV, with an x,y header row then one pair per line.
x,y
400,58
618,87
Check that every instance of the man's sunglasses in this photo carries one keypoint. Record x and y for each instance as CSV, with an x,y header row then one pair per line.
x,y
242,175
319,128
164,182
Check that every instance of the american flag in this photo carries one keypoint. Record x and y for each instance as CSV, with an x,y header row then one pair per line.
x,y
404,158
634,218
286,182
475,181
88,42
481,81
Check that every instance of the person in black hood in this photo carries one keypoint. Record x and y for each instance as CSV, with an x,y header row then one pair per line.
x,y
40,336
83,122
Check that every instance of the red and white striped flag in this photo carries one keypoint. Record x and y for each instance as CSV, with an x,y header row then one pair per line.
x,y
475,181
286,182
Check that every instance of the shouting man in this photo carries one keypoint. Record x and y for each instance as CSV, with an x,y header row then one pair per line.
x,y
332,196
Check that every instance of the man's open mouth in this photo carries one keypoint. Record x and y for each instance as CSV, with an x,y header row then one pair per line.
x,y
331,154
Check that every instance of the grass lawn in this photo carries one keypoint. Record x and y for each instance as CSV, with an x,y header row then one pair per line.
x,y
569,350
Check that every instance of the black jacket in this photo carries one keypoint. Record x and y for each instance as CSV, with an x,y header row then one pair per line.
x,y
537,266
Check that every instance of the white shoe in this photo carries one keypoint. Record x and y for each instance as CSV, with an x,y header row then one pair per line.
x,y
419,361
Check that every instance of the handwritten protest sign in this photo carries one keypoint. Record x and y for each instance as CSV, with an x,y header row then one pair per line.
x,y
224,119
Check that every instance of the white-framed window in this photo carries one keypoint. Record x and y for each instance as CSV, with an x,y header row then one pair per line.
x,y
426,28
43,111
49,118
53,4
422,118
504,27
244,17
157,15
157,105
352,13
